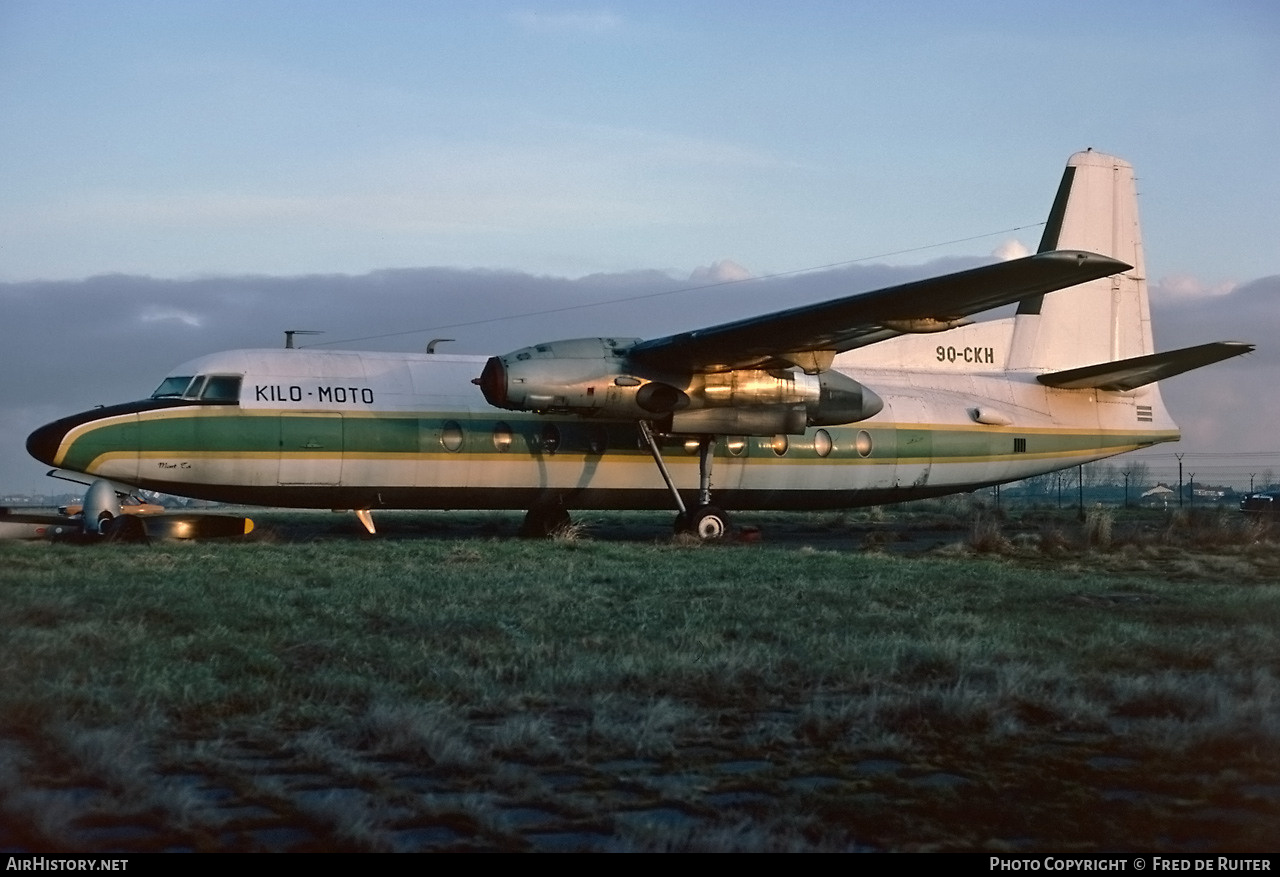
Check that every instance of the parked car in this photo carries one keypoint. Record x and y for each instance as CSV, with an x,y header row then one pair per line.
x,y
1261,503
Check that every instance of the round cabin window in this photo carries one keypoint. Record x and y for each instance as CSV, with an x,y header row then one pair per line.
x,y
779,444
451,435
863,443
502,437
822,442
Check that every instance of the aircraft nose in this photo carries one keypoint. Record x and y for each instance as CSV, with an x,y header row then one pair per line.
x,y
43,444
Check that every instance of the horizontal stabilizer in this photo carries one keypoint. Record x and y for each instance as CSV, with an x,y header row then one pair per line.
x,y
1129,374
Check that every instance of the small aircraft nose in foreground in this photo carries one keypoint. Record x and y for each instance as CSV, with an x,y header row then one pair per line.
x,y
882,396
102,516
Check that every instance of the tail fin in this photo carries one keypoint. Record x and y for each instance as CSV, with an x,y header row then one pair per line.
x,y
1105,320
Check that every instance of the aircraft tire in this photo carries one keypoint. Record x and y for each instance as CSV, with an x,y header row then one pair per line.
x,y
706,522
125,528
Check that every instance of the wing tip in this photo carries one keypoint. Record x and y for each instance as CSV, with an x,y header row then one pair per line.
x,y
1084,258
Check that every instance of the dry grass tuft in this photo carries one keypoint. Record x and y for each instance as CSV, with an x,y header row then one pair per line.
x,y
1052,542
986,535
417,731
574,531
527,738
1215,528
1097,528
877,540
687,540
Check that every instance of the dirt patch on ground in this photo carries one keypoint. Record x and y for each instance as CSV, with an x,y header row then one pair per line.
x,y
312,792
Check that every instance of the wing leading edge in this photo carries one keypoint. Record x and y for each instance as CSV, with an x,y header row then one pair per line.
x,y
810,335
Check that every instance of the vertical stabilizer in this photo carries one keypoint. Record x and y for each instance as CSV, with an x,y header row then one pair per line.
x,y
1096,209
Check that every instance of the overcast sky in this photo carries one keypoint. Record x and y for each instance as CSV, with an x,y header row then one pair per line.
x,y
250,167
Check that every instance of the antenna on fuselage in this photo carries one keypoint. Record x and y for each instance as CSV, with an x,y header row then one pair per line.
x,y
431,345
289,333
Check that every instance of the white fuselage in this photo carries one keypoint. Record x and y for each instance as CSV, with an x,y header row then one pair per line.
x,y
370,430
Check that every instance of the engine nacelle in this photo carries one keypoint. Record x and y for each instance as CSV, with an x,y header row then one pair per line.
x,y
594,376
100,505
590,376
825,399
754,402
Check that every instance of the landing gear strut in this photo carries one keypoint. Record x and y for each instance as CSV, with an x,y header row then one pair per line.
x,y
705,521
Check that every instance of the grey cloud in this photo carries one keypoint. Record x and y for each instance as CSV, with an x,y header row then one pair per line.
x,y
1250,312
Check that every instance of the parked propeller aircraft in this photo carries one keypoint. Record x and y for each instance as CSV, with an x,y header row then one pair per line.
x,y
872,398
102,516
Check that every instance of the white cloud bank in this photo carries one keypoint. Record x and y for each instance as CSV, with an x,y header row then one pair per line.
x,y
1011,249
723,271
1181,287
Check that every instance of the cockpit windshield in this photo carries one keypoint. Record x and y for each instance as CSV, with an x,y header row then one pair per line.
x,y
218,389
221,388
172,388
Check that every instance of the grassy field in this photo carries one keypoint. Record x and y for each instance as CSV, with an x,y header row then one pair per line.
x,y
923,680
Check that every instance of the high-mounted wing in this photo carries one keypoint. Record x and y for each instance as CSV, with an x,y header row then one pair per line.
x,y
809,335
739,378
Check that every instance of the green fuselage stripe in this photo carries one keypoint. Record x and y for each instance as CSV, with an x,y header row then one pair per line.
x,y
223,432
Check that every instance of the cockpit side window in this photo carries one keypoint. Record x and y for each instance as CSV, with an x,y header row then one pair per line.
x,y
172,387
221,388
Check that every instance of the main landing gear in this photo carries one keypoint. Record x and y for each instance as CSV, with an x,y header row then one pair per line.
x,y
705,521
